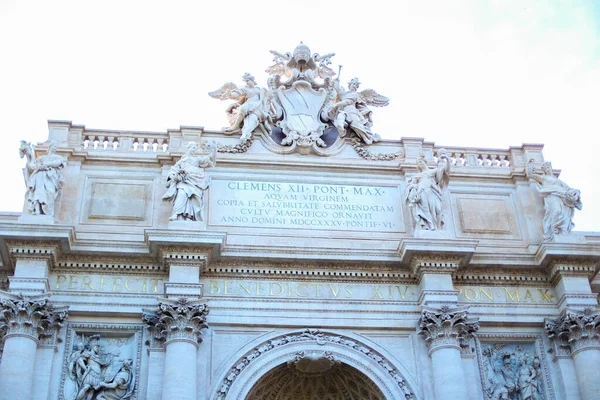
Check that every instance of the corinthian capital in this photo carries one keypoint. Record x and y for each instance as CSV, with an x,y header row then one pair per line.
x,y
446,327
574,331
176,320
31,316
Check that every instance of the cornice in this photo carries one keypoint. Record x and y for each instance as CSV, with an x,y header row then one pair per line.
x,y
48,251
457,251
572,268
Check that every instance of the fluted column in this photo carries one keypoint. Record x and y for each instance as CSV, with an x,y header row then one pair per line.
x,y
26,321
579,334
178,324
446,331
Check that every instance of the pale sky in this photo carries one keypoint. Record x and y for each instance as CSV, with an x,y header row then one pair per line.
x,y
478,73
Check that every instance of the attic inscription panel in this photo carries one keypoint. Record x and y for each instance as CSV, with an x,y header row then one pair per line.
x,y
312,206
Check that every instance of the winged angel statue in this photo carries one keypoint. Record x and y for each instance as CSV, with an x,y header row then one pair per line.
x,y
302,100
251,109
351,111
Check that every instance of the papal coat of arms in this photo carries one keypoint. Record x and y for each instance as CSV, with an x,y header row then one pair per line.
x,y
303,108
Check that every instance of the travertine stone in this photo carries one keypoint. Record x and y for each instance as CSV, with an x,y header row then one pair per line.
x,y
44,178
424,193
251,109
187,183
579,333
26,321
352,111
178,325
33,261
446,331
560,201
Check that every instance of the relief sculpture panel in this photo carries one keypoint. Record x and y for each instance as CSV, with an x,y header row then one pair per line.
x,y
513,371
101,363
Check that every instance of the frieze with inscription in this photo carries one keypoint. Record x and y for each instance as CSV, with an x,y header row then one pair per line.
x,y
503,294
107,283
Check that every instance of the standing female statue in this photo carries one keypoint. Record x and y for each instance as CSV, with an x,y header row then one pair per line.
x,y
187,182
424,192
44,178
560,201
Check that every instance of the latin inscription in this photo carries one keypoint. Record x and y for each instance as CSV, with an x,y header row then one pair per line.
x,y
305,206
310,290
106,283
481,294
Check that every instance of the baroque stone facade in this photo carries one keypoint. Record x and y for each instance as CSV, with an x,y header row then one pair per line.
x,y
334,264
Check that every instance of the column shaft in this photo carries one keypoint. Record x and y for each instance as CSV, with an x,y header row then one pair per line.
x,y
180,376
448,376
586,367
16,368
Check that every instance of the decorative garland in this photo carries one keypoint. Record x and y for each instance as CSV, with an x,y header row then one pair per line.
x,y
367,155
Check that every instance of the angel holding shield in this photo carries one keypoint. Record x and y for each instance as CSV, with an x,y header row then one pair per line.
x,y
352,111
251,109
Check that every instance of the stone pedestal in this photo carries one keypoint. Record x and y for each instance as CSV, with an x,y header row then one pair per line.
x,y
445,330
177,323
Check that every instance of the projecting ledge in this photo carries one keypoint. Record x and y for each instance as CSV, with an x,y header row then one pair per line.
x,y
190,238
411,248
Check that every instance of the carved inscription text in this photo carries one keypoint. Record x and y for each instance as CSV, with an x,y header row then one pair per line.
x,y
305,205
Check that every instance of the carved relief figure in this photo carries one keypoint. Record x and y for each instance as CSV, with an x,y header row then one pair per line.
x,y
424,192
351,111
560,201
120,387
251,109
94,364
512,375
187,182
528,376
44,178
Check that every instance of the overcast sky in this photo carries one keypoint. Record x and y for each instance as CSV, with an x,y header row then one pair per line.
x,y
459,73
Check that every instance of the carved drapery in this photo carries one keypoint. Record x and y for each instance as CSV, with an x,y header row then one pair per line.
x,y
446,327
176,320
31,316
574,331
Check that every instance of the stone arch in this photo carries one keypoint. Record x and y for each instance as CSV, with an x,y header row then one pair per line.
x,y
238,381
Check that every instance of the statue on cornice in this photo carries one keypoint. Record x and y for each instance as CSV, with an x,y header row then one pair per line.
x,y
424,192
351,110
44,178
251,109
560,201
187,182
300,65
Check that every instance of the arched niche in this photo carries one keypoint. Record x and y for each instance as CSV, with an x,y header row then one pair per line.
x,y
240,379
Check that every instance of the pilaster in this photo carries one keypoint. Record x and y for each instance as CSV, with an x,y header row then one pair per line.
x,y
434,275
33,261
571,280
185,266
